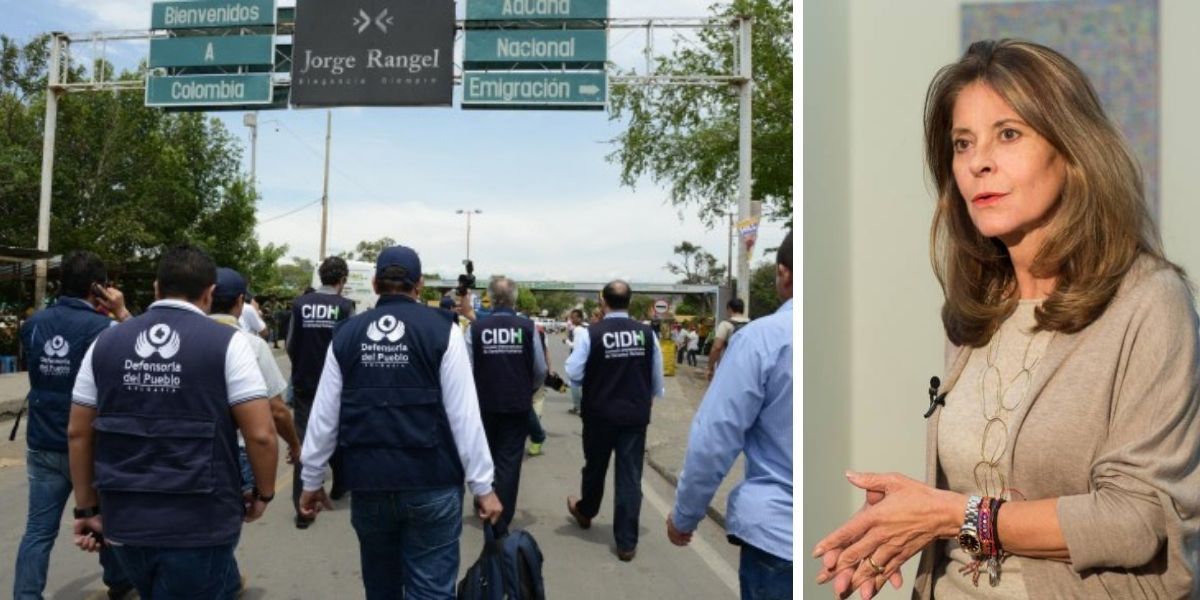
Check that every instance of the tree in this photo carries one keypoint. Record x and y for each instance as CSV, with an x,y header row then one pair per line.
x,y
697,266
641,307
763,298
128,180
556,303
296,276
527,302
367,250
687,136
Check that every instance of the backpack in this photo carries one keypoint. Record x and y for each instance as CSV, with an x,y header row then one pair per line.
x,y
508,568
737,326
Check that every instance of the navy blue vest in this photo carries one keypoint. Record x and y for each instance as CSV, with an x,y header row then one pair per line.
x,y
313,319
502,357
618,385
55,341
393,432
166,444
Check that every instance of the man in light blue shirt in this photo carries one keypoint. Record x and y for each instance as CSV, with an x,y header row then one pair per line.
x,y
748,408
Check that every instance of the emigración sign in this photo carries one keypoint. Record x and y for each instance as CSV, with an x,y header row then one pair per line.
x,y
373,53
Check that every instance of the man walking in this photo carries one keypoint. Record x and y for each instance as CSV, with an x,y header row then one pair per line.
x,y
157,405
397,397
620,365
577,330
509,365
748,408
693,344
314,316
728,327
54,341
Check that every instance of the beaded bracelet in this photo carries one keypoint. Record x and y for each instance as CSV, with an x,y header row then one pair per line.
x,y
983,525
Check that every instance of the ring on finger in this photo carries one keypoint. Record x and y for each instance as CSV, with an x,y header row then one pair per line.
x,y
878,569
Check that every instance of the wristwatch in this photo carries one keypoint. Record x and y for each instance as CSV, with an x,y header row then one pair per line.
x,y
260,497
87,513
968,534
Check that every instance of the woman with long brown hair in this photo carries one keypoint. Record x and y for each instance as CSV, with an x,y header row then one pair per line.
x,y
1063,463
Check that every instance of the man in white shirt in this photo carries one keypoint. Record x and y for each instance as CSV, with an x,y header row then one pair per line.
x,y
250,321
737,320
577,329
152,437
397,398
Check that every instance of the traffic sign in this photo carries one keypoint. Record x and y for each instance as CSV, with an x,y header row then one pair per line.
x,y
373,53
206,51
511,48
536,10
583,90
660,307
199,90
203,14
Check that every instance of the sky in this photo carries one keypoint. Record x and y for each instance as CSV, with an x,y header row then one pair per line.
x,y
552,206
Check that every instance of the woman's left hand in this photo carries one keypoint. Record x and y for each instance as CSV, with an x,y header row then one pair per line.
x,y
888,532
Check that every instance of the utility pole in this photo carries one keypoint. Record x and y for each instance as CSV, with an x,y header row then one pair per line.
x,y
744,113
468,212
729,235
325,189
250,120
43,239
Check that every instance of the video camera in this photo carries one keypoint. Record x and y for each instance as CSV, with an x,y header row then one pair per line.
x,y
466,281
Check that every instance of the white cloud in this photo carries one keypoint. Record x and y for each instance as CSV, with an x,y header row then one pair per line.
x,y
109,14
625,235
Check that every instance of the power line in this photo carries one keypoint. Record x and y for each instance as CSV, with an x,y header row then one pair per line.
x,y
290,212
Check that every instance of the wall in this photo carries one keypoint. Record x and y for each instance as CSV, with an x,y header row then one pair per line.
x,y
871,299
827,316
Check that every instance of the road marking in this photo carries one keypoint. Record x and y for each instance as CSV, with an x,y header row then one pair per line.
x,y
710,557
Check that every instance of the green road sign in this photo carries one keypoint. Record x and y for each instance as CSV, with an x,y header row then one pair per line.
x,y
203,90
536,10
204,51
280,95
502,49
202,14
584,90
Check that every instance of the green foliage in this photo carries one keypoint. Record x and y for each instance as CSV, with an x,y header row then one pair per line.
x,y
368,250
128,180
296,276
641,307
697,266
556,304
764,300
687,136
527,302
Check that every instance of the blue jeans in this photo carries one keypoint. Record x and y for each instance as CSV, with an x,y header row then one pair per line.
x,y
764,576
177,573
49,488
408,541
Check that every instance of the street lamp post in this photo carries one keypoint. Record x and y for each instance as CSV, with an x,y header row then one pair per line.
x,y
468,212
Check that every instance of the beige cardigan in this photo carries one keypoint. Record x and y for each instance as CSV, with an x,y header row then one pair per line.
x,y
1111,428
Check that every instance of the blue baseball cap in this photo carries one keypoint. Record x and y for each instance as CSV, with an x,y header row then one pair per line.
x,y
230,284
400,256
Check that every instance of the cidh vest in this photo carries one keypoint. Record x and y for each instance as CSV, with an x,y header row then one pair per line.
x,y
313,319
617,379
502,356
393,432
55,341
166,443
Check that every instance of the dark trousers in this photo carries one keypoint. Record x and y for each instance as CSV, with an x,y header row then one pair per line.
x,y
302,402
691,357
506,433
679,353
601,439
537,434
198,573
764,576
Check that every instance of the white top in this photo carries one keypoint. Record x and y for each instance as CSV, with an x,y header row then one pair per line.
x,y
693,340
243,379
726,327
276,384
250,320
458,396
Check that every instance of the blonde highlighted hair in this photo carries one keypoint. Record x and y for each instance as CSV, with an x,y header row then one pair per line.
x,y
1101,224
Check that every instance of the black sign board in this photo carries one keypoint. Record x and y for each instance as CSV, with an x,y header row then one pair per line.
x,y
373,53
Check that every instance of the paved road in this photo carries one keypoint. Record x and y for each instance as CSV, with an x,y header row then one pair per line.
x,y
322,562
